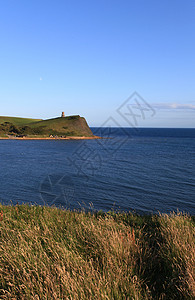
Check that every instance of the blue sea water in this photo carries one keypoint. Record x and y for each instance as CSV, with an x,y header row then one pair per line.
x,y
144,170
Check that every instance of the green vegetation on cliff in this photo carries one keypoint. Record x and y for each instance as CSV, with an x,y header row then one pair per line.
x,y
67,126
50,253
18,121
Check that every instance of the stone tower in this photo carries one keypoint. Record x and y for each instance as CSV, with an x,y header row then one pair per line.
x,y
63,115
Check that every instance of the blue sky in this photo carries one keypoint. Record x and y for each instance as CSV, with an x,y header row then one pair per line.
x,y
87,57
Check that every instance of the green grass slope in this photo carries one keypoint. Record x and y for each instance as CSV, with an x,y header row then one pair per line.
x,y
68,126
18,121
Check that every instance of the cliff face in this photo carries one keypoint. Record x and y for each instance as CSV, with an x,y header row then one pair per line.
x,y
66,126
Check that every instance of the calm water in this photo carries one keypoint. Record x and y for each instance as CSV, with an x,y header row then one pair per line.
x,y
147,170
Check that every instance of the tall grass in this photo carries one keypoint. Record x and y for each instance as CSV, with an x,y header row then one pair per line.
x,y
178,248
48,253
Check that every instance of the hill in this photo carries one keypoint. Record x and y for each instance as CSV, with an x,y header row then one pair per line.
x,y
18,121
71,126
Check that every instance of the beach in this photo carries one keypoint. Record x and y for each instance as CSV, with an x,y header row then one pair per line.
x,y
52,138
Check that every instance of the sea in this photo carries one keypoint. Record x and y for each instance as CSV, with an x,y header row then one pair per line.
x,y
143,170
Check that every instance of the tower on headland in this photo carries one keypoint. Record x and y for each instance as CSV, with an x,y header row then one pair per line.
x,y
62,115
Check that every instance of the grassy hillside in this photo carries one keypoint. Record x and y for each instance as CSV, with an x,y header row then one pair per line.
x,y
18,121
72,125
48,253
68,126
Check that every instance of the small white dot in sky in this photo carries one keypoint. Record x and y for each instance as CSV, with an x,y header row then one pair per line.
x,y
41,78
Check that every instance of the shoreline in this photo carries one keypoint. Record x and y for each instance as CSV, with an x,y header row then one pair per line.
x,y
51,138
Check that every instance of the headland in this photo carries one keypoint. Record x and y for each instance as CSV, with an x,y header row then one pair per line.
x,y
60,128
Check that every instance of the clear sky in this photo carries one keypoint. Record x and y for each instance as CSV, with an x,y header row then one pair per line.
x,y
87,57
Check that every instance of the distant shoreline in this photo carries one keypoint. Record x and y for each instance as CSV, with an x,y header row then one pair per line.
x,y
51,138
67,128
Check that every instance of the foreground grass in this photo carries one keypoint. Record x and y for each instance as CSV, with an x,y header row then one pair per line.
x,y
48,253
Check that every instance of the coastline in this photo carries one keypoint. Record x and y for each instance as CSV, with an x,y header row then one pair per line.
x,y
52,138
